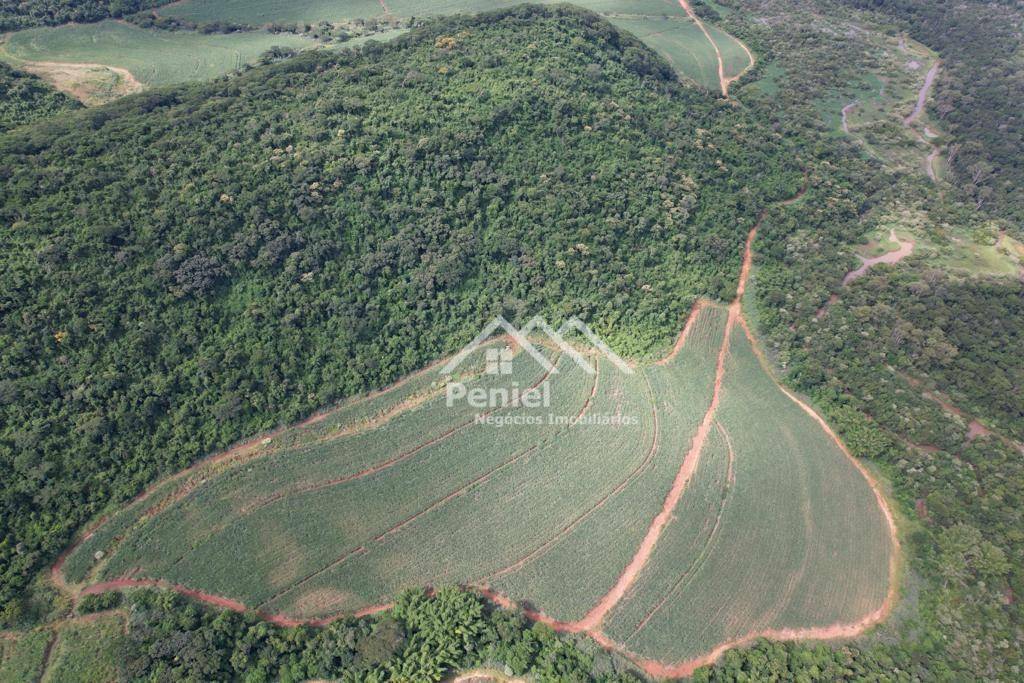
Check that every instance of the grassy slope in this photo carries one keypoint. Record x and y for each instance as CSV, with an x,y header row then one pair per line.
x,y
798,521
22,659
153,57
679,41
578,569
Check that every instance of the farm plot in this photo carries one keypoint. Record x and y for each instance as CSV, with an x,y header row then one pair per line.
x,y
314,504
153,57
317,461
570,571
499,515
793,539
354,416
775,532
662,24
681,42
258,12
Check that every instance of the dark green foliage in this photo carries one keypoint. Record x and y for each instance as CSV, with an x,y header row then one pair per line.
x,y
24,98
187,267
424,638
98,602
979,94
19,14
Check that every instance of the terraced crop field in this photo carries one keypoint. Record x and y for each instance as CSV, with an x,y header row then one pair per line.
x,y
773,531
664,511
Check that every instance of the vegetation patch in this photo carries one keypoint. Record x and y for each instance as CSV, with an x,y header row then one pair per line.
x,y
549,513
149,56
88,649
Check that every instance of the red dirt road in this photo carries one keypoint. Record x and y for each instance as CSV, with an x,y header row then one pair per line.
x,y
591,623
723,81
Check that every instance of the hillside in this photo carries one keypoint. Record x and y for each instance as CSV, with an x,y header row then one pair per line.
x,y
24,99
191,266
407,482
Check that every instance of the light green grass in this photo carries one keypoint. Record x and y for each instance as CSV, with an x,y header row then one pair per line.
x,y
258,12
88,650
681,42
734,58
577,570
801,541
22,659
266,11
153,57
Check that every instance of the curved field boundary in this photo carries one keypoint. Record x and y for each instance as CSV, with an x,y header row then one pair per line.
x,y
687,575
385,464
197,474
437,504
591,622
684,335
723,80
577,521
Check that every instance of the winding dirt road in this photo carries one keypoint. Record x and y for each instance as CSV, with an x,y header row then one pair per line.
x,y
591,622
895,256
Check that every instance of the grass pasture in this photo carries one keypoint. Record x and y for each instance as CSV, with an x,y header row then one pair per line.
x,y
400,489
662,24
88,649
22,655
258,12
152,57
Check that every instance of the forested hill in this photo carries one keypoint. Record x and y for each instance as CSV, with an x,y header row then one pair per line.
x,y
187,267
25,98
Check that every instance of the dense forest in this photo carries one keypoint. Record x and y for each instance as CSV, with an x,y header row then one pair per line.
x,y
423,638
19,14
187,267
25,98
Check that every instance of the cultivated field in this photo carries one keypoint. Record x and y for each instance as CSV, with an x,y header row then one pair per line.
x,y
760,522
662,24
778,530
152,57
102,61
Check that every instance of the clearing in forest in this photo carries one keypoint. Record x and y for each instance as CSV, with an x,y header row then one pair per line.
x,y
622,508
664,25
141,57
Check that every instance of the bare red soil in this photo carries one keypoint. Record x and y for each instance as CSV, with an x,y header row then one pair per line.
x,y
681,339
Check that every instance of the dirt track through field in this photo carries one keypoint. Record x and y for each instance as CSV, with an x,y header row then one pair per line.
x,y
591,622
723,81
385,464
904,250
569,528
